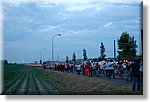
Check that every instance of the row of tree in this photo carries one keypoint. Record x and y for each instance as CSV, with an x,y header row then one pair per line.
x,y
126,45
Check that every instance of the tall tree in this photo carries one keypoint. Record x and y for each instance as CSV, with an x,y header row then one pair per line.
x,y
102,51
127,47
74,57
67,59
133,47
84,55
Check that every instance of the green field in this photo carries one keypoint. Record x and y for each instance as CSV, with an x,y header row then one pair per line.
x,y
23,80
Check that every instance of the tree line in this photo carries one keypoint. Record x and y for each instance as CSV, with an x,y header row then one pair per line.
x,y
126,49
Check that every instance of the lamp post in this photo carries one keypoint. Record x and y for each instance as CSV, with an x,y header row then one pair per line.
x,y
53,46
42,54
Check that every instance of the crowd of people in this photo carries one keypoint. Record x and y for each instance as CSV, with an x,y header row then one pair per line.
x,y
129,70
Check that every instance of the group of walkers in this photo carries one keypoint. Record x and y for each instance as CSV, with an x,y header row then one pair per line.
x,y
129,70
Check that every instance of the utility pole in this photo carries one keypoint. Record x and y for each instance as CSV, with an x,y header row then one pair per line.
x,y
114,50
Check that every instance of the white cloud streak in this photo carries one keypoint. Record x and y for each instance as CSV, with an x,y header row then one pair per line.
x,y
48,28
73,1
74,5
108,25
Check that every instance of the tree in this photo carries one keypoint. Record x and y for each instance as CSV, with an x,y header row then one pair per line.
x,y
74,57
127,47
133,47
44,62
40,61
102,51
84,55
95,59
5,62
67,59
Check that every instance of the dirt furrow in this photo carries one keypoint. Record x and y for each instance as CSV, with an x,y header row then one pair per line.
x,y
32,84
14,87
23,87
40,86
9,83
51,89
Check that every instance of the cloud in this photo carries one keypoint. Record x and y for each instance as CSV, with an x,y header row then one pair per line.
x,y
72,8
74,5
82,23
47,28
73,1
108,24
125,1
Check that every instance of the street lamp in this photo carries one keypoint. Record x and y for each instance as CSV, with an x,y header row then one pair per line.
x,y
53,46
41,54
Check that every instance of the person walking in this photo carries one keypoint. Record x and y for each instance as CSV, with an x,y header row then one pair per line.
x,y
78,69
136,75
111,67
120,68
97,68
87,69
128,70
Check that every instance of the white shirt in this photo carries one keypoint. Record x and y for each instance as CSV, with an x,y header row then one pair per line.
x,y
78,67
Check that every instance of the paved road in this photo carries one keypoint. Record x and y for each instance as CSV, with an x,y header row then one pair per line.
x,y
117,80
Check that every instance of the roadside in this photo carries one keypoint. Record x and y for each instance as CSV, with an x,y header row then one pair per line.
x,y
76,84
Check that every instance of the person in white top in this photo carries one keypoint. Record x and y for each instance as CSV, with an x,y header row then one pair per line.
x,y
102,67
93,68
110,69
78,69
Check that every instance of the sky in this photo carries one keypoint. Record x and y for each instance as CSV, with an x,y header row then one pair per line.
x,y
29,25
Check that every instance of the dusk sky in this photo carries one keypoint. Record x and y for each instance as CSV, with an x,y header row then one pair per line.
x,y
28,27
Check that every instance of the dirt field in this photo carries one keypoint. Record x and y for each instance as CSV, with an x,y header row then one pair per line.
x,y
26,80
23,80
